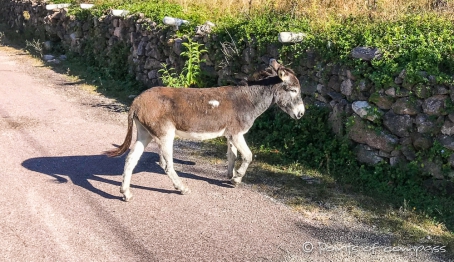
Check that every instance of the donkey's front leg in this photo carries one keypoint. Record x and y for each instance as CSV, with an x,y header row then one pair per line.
x,y
246,155
231,157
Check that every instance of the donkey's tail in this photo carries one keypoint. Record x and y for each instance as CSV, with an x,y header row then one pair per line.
x,y
125,146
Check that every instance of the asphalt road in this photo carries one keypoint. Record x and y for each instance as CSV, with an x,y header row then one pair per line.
x,y
61,201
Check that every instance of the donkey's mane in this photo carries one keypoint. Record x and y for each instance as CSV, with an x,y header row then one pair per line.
x,y
271,80
265,77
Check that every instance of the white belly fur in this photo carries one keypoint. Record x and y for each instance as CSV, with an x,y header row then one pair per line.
x,y
199,136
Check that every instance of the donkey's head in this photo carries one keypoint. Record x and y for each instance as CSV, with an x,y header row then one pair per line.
x,y
288,93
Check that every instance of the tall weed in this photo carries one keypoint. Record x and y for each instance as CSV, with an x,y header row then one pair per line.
x,y
191,74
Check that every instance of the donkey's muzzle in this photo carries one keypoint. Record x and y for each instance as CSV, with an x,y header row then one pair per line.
x,y
299,111
299,115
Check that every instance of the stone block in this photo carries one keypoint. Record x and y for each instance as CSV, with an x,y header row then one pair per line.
x,y
435,105
400,125
406,106
367,156
361,133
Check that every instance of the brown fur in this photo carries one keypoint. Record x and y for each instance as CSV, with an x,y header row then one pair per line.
x,y
182,108
125,146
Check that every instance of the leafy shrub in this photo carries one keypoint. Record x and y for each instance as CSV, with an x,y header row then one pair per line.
x,y
154,9
34,47
414,40
310,142
191,74
2,38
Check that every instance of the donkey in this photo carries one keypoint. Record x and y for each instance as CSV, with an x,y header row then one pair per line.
x,y
161,113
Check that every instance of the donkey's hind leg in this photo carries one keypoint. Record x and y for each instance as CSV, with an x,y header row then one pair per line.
x,y
143,138
166,146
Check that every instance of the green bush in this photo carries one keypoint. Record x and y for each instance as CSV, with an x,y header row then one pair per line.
x,y
415,42
310,142
154,9
191,74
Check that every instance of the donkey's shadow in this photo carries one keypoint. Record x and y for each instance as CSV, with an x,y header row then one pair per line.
x,y
81,170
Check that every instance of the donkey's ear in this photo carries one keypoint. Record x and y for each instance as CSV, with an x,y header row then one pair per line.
x,y
284,75
274,64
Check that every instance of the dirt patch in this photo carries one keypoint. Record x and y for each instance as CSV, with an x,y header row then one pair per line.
x,y
17,123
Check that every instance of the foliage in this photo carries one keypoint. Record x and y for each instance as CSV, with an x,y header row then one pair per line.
x,y
170,78
34,47
414,42
85,14
414,39
60,2
191,74
111,62
311,143
154,9
2,38
106,66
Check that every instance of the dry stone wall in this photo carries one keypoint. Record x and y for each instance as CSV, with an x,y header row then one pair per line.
x,y
388,124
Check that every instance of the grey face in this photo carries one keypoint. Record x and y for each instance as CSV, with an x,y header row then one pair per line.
x,y
290,101
288,97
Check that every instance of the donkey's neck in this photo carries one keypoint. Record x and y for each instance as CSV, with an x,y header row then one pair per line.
x,y
261,97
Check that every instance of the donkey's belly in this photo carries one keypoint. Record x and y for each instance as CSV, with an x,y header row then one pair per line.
x,y
199,135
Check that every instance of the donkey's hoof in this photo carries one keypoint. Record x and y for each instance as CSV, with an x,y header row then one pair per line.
x,y
126,199
127,196
236,181
185,190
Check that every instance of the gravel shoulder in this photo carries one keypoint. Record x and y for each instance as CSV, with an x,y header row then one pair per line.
x,y
61,197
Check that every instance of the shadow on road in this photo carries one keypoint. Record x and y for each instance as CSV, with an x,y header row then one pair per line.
x,y
81,170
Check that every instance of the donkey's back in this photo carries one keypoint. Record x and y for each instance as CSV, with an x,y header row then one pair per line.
x,y
194,110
